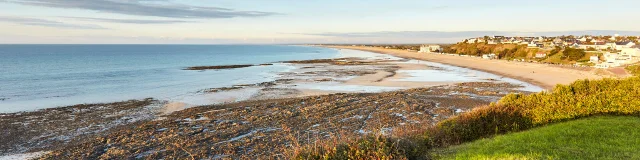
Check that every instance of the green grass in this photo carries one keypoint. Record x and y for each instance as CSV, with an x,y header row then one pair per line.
x,y
603,137
634,69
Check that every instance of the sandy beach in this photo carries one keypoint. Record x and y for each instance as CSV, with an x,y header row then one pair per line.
x,y
543,75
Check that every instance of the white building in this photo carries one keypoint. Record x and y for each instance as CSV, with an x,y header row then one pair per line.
x,y
594,59
472,40
620,45
597,46
616,60
583,39
633,52
489,56
430,48
609,61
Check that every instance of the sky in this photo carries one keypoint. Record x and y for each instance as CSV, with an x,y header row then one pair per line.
x,y
305,21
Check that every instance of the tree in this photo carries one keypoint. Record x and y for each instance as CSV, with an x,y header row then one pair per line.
x,y
573,54
555,51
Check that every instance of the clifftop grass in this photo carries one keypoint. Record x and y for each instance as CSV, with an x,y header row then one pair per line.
x,y
602,137
513,113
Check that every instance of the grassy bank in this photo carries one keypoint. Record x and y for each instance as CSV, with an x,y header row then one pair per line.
x,y
604,137
518,51
513,113
634,69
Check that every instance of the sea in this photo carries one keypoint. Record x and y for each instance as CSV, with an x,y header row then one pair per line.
x,y
44,76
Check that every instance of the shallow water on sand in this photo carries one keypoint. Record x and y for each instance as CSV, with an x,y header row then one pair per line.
x,y
42,76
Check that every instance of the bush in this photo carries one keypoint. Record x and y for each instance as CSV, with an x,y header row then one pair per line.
x,y
368,148
634,70
573,54
516,112
555,50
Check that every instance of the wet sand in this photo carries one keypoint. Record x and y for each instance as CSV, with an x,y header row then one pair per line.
x,y
543,75
348,72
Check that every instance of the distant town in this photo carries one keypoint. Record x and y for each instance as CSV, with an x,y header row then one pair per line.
x,y
587,51
610,51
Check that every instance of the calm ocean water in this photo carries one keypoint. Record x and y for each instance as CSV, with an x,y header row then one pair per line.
x,y
41,76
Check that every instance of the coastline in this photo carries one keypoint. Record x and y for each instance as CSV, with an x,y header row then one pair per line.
x,y
541,75
276,102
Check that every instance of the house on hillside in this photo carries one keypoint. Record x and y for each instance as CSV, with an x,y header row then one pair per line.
x,y
616,60
620,45
596,45
560,44
597,41
583,39
472,40
633,52
609,61
594,59
541,55
430,48
611,45
489,56
557,40
574,45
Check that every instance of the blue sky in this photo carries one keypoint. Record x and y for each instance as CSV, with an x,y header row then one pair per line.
x,y
305,21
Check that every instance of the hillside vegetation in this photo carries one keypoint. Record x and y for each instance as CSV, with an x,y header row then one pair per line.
x,y
517,51
513,113
634,69
503,51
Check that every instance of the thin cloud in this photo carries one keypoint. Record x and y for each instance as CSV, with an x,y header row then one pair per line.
x,y
131,21
439,34
46,23
155,8
439,7
408,34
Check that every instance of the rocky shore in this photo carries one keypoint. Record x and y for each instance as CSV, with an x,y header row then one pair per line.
x,y
252,129
56,128
218,67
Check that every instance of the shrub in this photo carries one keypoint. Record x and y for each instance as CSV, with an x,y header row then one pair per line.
x,y
555,50
634,70
516,112
379,147
573,54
